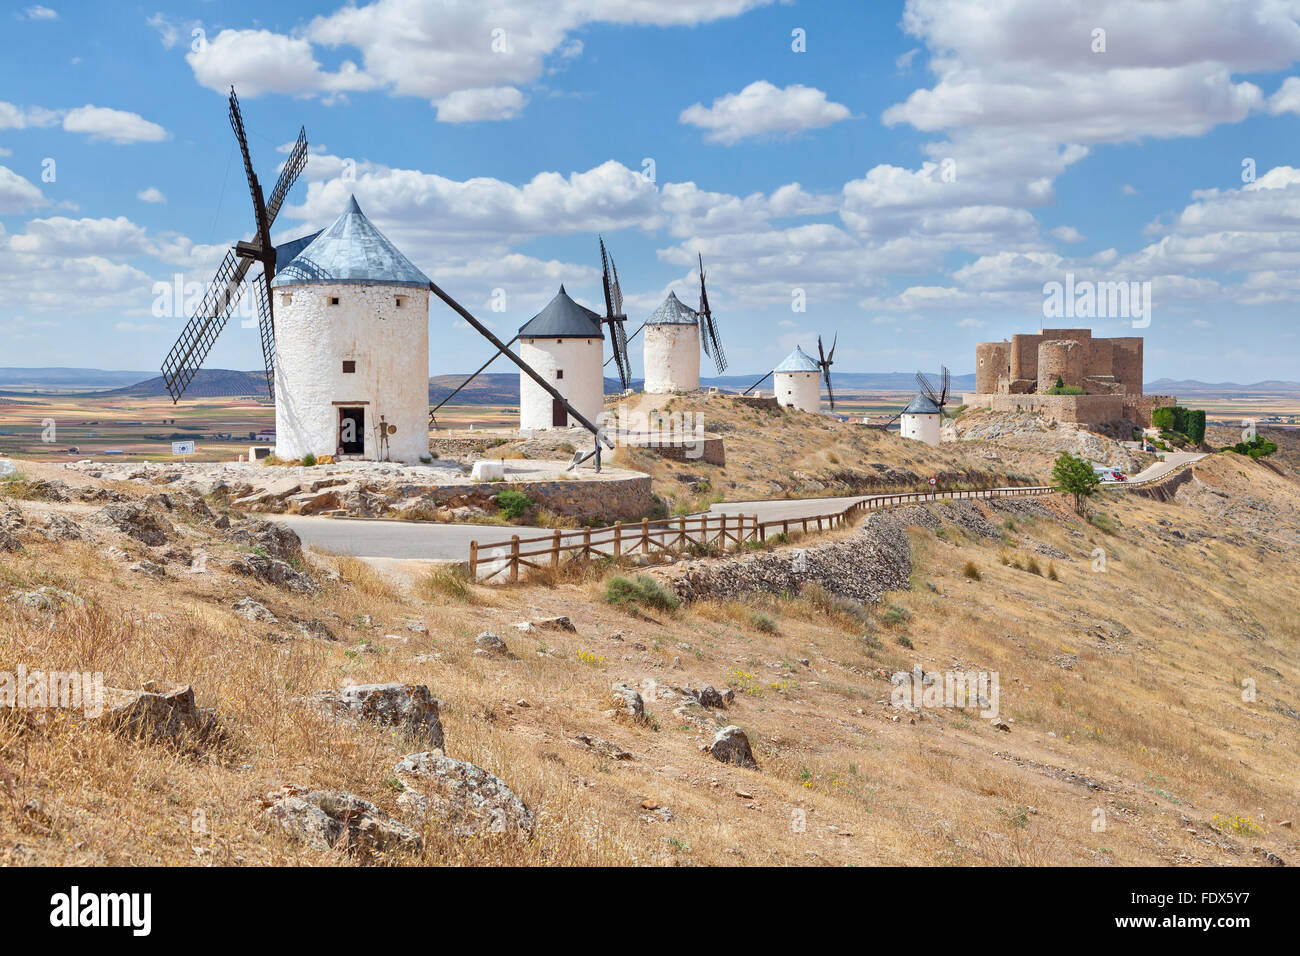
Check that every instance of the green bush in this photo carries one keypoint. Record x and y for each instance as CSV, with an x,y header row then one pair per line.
x,y
1196,425
762,622
309,459
641,590
513,504
1257,448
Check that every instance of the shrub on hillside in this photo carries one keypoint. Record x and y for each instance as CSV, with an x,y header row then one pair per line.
x,y
641,590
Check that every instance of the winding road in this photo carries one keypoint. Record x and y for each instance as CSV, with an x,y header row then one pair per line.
x,y
394,539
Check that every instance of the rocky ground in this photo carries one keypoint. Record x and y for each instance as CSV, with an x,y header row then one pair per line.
x,y
273,706
441,491
1020,433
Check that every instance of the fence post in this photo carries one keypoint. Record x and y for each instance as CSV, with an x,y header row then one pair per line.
x,y
555,553
618,539
645,535
473,560
514,557
586,544
722,532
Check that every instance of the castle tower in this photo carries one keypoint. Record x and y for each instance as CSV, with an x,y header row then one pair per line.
x,y
797,382
564,344
351,347
672,348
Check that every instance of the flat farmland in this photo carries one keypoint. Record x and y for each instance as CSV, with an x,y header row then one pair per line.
x,y
142,429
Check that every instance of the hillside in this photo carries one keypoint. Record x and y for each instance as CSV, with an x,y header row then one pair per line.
x,y
1126,737
207,383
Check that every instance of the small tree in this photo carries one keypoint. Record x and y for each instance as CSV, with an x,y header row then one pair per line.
x,y
1196,425
1074,476
1060,382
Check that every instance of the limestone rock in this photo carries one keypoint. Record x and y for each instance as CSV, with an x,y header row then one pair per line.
x,y
489,643
452,793
268,538
148,568
627,701
409,707
277,572
251,610
59,527
159,715
336,819
9,543
136,521
730,745
601,746
46,598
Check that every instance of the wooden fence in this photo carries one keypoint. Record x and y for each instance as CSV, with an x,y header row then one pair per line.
x,y
676,536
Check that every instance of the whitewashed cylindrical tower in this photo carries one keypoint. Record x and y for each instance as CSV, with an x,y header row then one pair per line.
x,y
797,382
672,348
921,421
351,347
564,344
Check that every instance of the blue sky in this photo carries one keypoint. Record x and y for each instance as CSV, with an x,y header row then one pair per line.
x,y
915,175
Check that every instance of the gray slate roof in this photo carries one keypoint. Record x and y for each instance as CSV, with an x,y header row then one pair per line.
x,y
563,319
921,406
352,251
797,361
673,312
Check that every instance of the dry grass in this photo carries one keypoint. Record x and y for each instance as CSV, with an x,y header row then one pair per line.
x,y
1130,678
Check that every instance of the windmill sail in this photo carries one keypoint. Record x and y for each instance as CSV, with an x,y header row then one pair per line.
x,y
614,316
200,333
709,337
825,360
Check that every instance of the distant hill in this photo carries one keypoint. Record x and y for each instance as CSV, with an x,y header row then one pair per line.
x,y
852,381
1167,386
208,383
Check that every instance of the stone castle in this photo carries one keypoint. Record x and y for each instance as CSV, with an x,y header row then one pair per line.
x,y
1019,375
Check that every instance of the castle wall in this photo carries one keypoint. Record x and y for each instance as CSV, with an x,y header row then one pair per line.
x,y
992,361
1126,363
1024,356
1059,358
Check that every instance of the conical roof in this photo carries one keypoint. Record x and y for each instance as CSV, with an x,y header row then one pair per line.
x,y
673,312
797,361
563,319
921,406
352,251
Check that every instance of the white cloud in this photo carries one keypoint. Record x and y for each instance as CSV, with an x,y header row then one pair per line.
x,y
1128,189
971,324
118,126
470,106
1068,234
39,12
762,109
259,61
417,48
152,194
1029,65
17,194
1287,98
16,117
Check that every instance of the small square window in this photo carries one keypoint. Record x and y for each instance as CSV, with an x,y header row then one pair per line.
x,y
400,300
559,373
349,366
286,298
334,300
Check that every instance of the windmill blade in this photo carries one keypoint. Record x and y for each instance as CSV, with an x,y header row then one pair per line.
x,y
293,168
821,356
830,392
947,381
266,329
620,330
614,317
254,187
200,333
709,336
830,358
927,387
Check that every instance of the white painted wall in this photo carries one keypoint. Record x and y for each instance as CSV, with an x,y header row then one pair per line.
x,y
390,345
801,390
672,358
920,428
582,361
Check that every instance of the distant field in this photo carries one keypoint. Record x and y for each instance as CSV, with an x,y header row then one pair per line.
x,y
143,428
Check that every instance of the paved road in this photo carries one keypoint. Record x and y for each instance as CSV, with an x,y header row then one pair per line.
x,y
414,540
365,538
1173,461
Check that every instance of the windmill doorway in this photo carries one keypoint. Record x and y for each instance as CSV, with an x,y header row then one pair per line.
x,y
559,414
352,431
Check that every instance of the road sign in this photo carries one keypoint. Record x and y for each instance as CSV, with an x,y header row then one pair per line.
x,y
182,448
934,481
